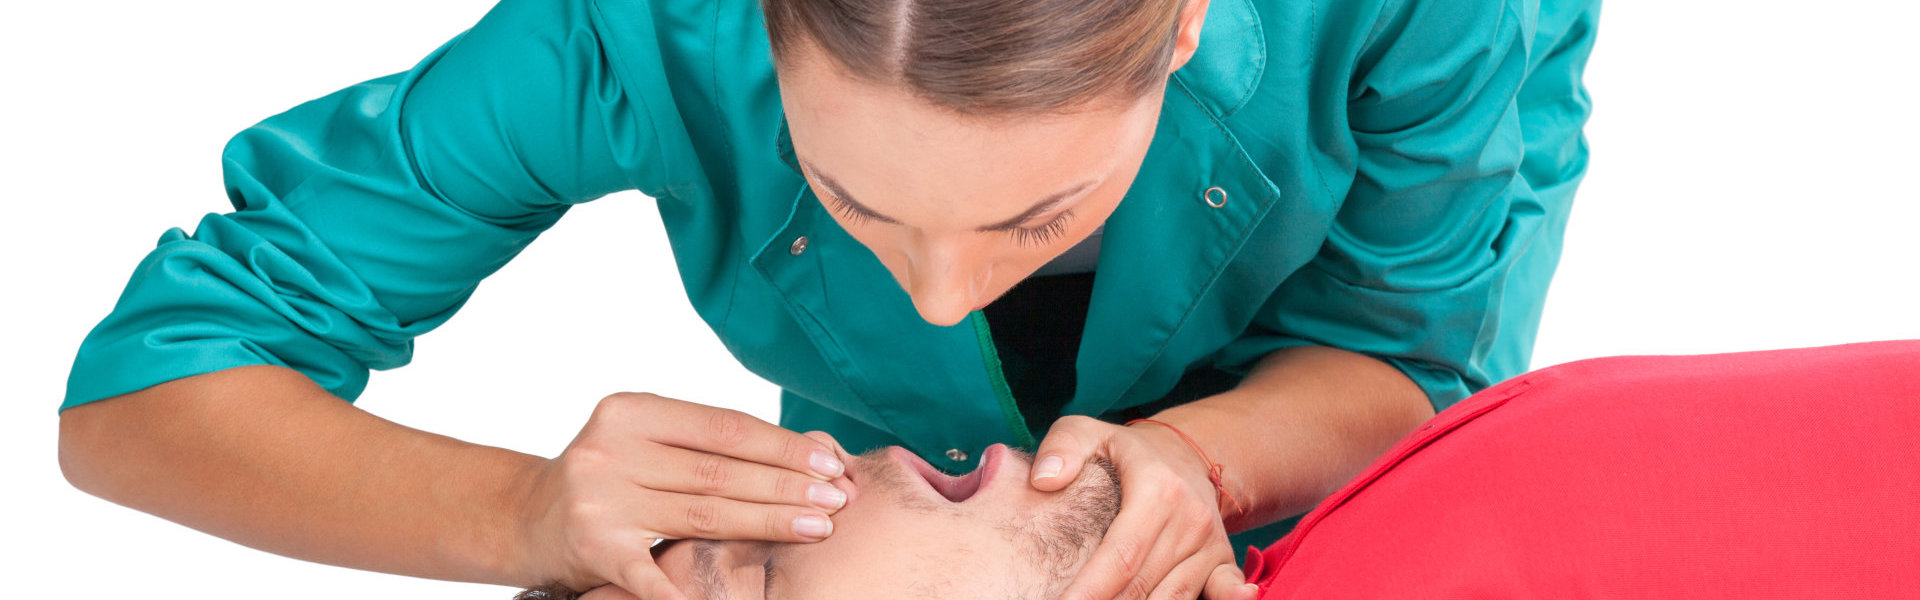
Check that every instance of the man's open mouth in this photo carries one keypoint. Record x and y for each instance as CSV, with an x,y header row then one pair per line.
x,y
955,489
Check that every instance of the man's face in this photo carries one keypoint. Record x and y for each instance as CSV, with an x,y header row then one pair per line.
x,y
908,531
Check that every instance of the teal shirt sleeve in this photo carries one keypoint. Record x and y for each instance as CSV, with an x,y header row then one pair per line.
x,y
1413,267
368,217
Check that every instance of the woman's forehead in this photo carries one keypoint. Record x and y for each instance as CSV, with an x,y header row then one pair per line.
x,y
866,136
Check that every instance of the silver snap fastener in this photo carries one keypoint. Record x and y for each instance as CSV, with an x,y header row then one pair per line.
x,y
957,455
799,245
1209,197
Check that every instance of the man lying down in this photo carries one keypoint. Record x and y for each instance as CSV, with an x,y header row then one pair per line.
x,y
909,531
1777,474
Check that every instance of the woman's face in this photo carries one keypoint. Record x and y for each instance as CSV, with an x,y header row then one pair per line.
x,y
958,209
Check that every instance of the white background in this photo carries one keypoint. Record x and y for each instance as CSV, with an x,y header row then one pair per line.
x,y
1752,187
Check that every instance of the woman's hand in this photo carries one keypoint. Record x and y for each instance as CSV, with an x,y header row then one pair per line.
x,y
608,592
646,468
1168,542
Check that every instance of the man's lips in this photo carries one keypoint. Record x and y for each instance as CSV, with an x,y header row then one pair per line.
x,y
954,489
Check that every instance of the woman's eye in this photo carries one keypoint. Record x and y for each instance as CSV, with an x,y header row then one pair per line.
x,y
848,211
1027,236
1044,234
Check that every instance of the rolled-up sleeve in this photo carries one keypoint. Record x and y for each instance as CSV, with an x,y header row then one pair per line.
x,y
1414,266
368,217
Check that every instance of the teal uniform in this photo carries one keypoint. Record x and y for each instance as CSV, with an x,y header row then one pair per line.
x,y
1396,174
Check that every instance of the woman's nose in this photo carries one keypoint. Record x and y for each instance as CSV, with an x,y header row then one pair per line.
x,y
947,283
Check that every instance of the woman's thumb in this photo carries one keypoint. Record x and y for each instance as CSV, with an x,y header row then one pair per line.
x,y
1058,459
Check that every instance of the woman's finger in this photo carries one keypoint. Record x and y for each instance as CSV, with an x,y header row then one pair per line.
x,y
1069,443
733,433
1113,564
643,578
608,592
1177,538
827,439
708,474
1156,572
1126,549
1188,579
693,516
1228,582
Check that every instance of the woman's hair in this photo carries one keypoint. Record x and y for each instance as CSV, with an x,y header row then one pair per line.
x,y
989,57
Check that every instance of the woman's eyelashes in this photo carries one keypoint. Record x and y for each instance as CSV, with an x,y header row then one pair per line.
x,y
1026,236
1044,234
853,214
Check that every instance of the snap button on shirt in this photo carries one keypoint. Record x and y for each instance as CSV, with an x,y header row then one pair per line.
x,y
799,245
957,455
1209,194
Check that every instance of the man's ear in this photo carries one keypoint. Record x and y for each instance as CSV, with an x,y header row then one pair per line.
x,y
1192,16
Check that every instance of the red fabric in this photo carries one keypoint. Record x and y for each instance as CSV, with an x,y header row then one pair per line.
x,y
1781,474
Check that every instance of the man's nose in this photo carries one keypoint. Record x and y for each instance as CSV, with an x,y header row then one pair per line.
x,y
947,282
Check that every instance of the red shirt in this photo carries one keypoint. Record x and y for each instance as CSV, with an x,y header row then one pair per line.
x,y
1781,474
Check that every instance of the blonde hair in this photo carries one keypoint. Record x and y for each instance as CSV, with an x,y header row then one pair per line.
x,y
989,57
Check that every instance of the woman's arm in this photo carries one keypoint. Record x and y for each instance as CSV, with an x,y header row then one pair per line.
x,y
1304,421
215,393
266,458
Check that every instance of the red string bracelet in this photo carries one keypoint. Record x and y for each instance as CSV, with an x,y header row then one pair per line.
x,y
1214,469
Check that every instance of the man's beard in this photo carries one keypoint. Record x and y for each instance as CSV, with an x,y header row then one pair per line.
x,y
1061,538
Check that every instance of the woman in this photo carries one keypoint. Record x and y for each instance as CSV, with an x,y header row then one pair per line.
x,y
1310,231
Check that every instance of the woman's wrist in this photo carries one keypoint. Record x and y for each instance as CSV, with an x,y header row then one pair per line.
x,y
1187,460
485,538
1303,422
519,557
1215,431
1228,505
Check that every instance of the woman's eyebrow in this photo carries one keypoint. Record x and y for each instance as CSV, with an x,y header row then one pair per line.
x,y
1042,207
1045,206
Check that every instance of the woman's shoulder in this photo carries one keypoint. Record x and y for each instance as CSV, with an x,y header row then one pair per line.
x,y
687,30
703,72
1323,27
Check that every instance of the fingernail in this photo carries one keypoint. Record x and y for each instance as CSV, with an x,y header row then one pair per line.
x,y
812,526
826,496
1048,467
825,464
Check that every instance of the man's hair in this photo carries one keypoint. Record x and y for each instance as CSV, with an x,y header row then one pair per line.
x,y
989,58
